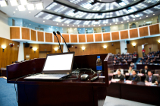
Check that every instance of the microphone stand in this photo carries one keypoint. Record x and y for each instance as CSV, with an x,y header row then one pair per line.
x,y
63,40
57,40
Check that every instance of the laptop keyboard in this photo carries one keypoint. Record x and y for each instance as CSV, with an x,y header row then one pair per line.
x,y
52,75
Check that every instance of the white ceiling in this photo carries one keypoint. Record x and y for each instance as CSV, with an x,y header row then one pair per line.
x,y
9,10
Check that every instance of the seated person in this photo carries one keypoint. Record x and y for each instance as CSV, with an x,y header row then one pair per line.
x,y
145,70
152,55
132,64
130,70
151,78
147,61
143,59
119,75
119,63
140,62
122,71
114,62
134,76
151,61
126,63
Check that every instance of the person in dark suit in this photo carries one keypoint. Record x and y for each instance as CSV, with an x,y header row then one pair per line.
x,y
145,70
119,75
151,78
134,76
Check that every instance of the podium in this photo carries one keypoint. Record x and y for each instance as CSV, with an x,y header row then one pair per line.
x,y
69,92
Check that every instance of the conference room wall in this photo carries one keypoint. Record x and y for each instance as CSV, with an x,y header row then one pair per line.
x,y
45,48
139,42
10,54
95,48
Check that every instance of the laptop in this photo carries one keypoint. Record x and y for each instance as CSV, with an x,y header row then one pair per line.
x,y
56,67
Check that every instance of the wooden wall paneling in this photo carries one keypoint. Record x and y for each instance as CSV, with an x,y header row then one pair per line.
x,y
73,38
33,35
106,37
55,46
95,48
82,38
45,47
115,35
133,33
98,37
59,38
29,51
124,34
66,37
154,29
90,38
143,31
10,54
26,33
48,37
15,32
40,36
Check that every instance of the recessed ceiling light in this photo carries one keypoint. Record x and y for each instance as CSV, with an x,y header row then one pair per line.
x,y
73,25
99,25
115,23
147,16
30,6
23,2
140,18
16,9
105,24
29,12
3,3
29,24
127,21
21,8
136,22
62,24
67,25
94,25
153,14
121,22
43,21
14,12
13,2
133,19
39,6
110,24
144,21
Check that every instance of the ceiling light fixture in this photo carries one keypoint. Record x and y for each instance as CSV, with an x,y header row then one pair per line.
x,y
147,16
23,2
43,21
21,8
153,14
3,3
30,6
13,2
39,6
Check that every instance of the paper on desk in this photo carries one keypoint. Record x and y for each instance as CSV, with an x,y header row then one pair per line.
x,y
140,74
127,74
156,74
115,80
101,76
128,82
149,84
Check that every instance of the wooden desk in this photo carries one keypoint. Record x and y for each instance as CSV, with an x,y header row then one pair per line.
x,y
152,67
137,91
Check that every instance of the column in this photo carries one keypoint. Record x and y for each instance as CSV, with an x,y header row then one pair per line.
x,y
21,52
123,45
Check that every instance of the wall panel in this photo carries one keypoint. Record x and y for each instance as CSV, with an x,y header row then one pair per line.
x,y
98,37
73,38
115,35
143,31
66,37
154,29
124,34
90,38
133,33
82,38
33,35
15,32
106,37
48,37
59,38
26,33
10,54
40,36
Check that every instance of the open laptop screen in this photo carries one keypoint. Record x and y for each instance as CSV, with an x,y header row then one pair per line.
x,y
58,63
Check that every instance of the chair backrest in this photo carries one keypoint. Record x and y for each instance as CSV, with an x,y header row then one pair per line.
x,y
157,71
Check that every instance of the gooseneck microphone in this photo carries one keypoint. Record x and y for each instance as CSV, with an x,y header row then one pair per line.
x,y
57,40
63,39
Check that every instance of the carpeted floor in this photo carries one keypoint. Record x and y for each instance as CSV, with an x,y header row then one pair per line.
x,y
7,94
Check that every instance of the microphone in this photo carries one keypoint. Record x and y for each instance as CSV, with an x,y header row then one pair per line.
x,y
57,40
63,39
